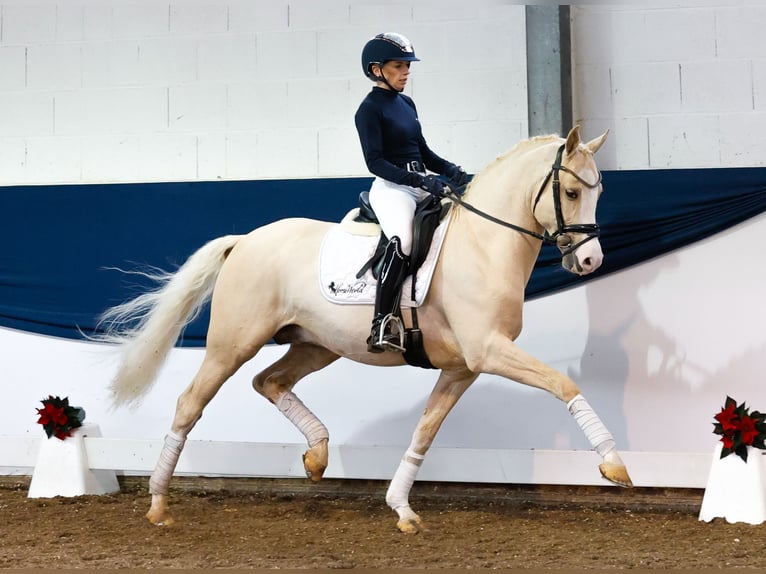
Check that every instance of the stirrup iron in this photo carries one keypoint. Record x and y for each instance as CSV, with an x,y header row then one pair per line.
x,y
390,332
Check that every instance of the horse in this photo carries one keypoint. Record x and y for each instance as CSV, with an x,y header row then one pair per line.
x,y
544,189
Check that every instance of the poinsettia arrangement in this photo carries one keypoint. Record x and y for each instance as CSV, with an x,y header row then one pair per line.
x,y
59,418
739,428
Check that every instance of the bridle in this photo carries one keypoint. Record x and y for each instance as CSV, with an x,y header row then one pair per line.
x,y
561,238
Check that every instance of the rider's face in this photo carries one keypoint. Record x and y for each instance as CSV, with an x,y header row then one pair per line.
x,y
396,73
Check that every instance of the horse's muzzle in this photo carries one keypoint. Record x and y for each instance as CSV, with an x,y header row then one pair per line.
x,y
584,259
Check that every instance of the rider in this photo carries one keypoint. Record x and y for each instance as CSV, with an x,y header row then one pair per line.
x,y
397,154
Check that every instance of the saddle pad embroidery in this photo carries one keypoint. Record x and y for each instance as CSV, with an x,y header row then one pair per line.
x,y
343,253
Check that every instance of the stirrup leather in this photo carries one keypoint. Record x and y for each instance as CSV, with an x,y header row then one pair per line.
x,y
390,332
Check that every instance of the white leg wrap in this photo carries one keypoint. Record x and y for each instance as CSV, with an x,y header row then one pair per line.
x,y
600,438
163,471
398,493
306,421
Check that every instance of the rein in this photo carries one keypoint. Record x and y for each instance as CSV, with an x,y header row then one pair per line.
x,y
561,237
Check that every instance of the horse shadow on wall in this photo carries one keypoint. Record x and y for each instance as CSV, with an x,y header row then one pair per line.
x,y
499,414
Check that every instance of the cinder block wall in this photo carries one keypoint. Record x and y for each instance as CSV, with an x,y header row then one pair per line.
x,y
116,90
678,86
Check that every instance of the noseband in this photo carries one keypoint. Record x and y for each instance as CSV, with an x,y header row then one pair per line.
x,y
561,238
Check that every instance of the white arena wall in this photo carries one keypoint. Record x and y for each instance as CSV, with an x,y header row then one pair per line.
x,y
98,92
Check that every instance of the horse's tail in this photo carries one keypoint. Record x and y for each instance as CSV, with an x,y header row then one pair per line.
x,y
147,327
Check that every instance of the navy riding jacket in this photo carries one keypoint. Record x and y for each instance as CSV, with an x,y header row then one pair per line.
x,y
391,136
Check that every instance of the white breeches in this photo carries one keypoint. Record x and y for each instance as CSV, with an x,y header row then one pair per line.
x,y
394,205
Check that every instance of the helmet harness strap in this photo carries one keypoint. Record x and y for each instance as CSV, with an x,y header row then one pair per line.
x,y
382,77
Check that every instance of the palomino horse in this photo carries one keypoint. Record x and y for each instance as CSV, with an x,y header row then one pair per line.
x,y
544,189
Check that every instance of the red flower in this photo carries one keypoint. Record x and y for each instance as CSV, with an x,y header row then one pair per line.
x,y
51,414
728,440
61,433
739,429
728,417
58,417
748,430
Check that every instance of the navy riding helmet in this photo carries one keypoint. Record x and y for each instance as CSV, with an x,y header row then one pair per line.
x,y
385,48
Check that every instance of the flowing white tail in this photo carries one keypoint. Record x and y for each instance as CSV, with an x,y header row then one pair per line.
x,y
147,327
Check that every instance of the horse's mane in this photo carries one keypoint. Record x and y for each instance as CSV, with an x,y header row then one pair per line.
x,y
521,147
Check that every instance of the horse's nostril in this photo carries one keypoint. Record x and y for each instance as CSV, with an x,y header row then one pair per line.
x,y
587,263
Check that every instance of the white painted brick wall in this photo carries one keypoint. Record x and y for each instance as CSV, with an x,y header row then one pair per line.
x,y
240,154
258,16
211,156
740,31
193,18
129,91
13,159
290,54
111,90
111,111
140,19
96,21
167,156
743,139
107,157
227,58
312,15
715,86
197,108
759,84
27,23
254,105
13,65
53,159
24,115
678,86
54,66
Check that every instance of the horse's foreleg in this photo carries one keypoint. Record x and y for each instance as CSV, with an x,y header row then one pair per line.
x,y
504,358
275,383
612,468
449,388
191,402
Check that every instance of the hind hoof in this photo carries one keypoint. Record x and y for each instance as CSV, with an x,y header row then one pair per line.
x,y
616,474
315,461
411,525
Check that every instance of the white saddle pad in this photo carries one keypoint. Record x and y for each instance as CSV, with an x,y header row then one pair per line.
x,y
349,245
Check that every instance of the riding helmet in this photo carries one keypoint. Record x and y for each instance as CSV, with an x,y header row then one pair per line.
x,y
385,48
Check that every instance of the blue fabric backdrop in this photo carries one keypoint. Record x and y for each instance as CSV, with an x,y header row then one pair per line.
x,y
61,244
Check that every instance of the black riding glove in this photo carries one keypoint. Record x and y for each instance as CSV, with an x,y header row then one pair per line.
x,y
456,174
434,186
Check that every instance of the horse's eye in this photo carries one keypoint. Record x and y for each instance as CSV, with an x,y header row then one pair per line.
x,y
572,193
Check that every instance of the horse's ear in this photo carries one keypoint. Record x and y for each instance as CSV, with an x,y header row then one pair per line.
x,y
595,144
573,140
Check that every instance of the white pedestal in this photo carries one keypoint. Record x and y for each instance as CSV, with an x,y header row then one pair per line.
x,y
735,489
62,468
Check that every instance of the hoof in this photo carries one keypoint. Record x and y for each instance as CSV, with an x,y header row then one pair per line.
x,y
315,461
159,520
158,511
617,474
410,525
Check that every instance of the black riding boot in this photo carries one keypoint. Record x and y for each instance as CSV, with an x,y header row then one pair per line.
x,y
392,275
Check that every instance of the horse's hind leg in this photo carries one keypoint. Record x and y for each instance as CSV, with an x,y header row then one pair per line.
x,y
449,388
276,383
216,368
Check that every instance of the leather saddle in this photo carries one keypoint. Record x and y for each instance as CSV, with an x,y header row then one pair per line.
x,y
428,214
